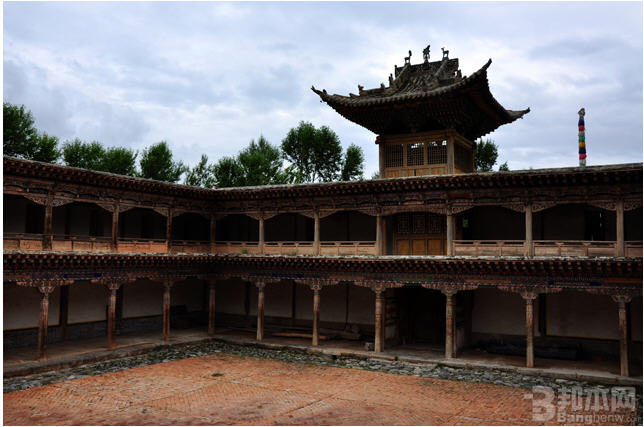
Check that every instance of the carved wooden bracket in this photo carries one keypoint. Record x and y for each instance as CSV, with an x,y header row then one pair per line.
x,y
541,206
529,295
622,299
517,207
609,205
631,204
458,208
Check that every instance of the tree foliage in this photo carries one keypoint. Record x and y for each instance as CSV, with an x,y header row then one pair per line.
x,y
485,155
202,175
93,156
258,164
316,155
353,165
20,137
157,163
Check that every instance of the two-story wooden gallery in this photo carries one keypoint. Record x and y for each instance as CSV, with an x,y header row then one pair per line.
x,y
543,263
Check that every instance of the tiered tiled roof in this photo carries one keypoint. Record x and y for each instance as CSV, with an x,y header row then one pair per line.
x,y
426,97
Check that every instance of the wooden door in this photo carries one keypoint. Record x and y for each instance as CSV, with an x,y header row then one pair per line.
x,y
402,247
419,247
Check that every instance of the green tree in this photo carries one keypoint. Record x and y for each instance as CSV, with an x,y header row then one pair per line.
x,y
202,175
157,163
353,165
258,164
261,164
485,155
228,173
316,154
119,160
86,155
504,167
20,137
45,148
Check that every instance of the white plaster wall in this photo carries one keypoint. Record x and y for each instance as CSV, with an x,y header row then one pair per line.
x,y
636,319
21,307
230,296
333,303
14,212
362,305
87,302
142,298
278,299
581,315
189,293
498,312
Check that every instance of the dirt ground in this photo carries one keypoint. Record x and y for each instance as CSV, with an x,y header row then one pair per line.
x,y
227,389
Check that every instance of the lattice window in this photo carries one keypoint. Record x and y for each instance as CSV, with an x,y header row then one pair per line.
x,y
462,158
418,224
402,224
393,155
415,154
436,152
436,224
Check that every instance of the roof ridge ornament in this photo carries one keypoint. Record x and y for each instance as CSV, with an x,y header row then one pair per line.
x,y
445,53
426,53
408,59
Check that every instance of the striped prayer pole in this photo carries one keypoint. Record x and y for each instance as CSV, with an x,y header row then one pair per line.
x,y
582,138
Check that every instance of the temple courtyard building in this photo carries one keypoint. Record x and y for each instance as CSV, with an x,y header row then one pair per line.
x,y
433,256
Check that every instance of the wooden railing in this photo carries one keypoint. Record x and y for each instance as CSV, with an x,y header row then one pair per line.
x,y
574,248
633,249
289,248
190,246
81,243
237,247
582,248
489,247
142,245
22,241
348,248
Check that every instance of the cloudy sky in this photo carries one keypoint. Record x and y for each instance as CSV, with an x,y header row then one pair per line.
x,y
209,77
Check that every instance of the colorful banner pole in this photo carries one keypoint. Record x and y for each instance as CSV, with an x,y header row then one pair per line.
x,y
582,138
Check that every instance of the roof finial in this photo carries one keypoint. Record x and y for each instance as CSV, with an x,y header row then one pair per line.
x,y
407,58
582,138
445,53
426,53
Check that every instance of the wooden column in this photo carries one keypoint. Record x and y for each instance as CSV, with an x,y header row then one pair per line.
x,y
260,310
166,309
213,233
384,235
111,314
450,235
379,342
168,229
621,301
261,234
48,227
43,321
63,314
528,244
379,234
619,214
315,340
211,307
115,228
450,324
316,232
529,298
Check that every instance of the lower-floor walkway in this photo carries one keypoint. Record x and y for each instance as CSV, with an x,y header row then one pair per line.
x,y
23,361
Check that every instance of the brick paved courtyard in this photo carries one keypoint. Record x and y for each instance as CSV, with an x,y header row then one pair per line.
x,y
227,389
